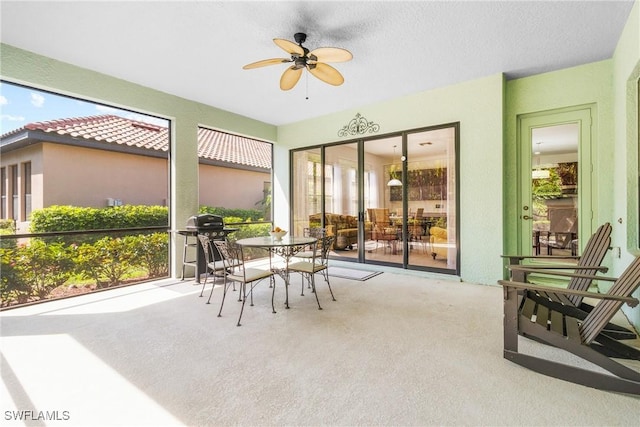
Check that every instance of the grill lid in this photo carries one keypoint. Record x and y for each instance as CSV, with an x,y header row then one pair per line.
x,y
205,221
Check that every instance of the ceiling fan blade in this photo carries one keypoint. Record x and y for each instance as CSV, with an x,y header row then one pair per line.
x,y
331,54
290,78
265,62
289,47
326,73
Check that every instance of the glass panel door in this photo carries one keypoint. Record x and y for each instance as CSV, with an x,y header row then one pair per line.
x,y
555,171
554,187
431,199
389,200
307,190
383,200
341,197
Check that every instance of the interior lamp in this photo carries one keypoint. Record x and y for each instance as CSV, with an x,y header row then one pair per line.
x,y
540,174
394,182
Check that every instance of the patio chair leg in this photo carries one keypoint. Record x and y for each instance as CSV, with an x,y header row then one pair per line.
x,y
325,273
206,277
224,295
243,289
210,292
272,284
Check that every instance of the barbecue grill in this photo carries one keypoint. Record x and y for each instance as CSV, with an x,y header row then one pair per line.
x,y
211,226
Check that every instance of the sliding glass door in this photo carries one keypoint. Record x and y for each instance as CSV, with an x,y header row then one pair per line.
x,y
389,200
383,207
431,198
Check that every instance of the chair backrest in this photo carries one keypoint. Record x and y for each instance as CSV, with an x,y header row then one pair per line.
x,y
419,212
230,254
604,311
205,242
325,246
317,232
593,254
381,217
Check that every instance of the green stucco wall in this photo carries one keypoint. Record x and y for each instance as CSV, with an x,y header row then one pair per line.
x,y
626,72
478,106
607,85
588,85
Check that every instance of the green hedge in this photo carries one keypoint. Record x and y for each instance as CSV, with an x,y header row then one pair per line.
x,y
234,215
72,218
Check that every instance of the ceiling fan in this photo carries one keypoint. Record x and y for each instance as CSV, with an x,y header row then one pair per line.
x,y
314,61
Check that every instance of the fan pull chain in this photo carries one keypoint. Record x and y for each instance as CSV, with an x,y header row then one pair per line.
x,y
306,76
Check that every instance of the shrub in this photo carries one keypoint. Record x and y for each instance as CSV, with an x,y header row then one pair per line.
x,y
152,253
12,287
106,261
37,269
7,226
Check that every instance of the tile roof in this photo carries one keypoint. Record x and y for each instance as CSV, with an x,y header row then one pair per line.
x,y
110,129
233,149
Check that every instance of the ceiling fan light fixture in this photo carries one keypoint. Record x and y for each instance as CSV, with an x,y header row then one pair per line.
x,y
314,61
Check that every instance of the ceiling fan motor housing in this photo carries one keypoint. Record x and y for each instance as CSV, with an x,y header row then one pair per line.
x,y
300,37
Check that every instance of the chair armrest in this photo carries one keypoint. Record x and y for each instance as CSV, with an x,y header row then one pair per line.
x,y
563,274
531,268
514,259
550,289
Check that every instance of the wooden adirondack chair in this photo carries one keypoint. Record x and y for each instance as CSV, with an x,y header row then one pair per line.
x,y
590,260
589,264
584,338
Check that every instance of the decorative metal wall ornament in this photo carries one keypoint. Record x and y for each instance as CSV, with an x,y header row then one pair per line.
x,y
358,126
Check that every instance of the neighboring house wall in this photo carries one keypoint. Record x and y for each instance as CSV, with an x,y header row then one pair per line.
x,y
79,176
31,154
231,188
87,177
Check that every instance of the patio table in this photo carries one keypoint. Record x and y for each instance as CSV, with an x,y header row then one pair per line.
x,y
286,248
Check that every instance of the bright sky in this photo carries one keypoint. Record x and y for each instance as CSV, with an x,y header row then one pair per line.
x,y
20,106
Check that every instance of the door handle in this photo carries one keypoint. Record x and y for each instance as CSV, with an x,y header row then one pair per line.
x,y
526,217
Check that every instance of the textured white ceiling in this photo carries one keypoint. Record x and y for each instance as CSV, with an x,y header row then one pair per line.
x,y
196,50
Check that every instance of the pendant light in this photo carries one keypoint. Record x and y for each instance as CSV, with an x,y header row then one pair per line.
x,y
538,172
394,182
